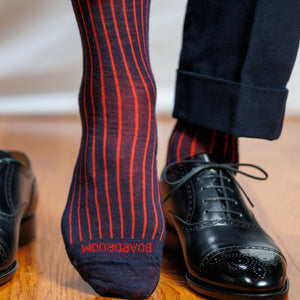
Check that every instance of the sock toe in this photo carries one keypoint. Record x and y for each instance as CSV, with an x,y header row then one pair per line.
x,y
136,280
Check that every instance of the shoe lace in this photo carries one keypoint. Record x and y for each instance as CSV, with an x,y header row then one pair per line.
x,y
229,168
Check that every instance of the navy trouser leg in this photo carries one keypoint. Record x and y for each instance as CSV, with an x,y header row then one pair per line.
x,y
236,59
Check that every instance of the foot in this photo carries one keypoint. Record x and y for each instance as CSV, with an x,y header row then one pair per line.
x,y
227,254
113,224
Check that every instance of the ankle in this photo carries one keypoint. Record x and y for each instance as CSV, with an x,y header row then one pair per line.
x,y
188,140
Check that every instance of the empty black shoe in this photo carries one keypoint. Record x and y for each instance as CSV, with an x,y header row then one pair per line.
x,y
18,199
227,254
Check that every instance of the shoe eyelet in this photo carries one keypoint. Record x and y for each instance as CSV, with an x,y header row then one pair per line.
x,y
235,203
202,188
241,215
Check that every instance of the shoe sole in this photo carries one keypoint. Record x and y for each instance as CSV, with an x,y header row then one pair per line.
x,y
215,292
8,273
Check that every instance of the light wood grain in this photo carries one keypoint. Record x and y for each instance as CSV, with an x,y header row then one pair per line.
x,y
52,143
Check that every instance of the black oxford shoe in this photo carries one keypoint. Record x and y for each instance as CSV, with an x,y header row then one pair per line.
x,y
227,254
18,199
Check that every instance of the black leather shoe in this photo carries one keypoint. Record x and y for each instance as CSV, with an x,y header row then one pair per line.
x,y
227,254
18,199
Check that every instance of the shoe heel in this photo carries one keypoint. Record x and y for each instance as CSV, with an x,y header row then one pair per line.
x,y
27,230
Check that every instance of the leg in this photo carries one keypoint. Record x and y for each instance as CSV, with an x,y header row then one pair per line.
x,y
236,59
235,62
113,224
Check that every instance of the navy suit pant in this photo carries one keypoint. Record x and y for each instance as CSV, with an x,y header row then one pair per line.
x,y
236,59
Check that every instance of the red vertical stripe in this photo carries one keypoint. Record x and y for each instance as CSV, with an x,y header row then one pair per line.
x,y
179,145
212,142
136,121
79,194
152,189
226,145
147,32
87,133
72,202
149,107
105,138
81,150
139,43
94,127
194,143
162,214
80,157
171,145
119,122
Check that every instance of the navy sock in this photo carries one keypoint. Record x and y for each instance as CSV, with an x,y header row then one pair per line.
x,y
188,140
113,225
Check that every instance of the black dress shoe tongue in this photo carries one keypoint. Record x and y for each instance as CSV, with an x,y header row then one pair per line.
x,y
198,160
203,157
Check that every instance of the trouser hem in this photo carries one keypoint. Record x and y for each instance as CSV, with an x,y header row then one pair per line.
x,y
230,107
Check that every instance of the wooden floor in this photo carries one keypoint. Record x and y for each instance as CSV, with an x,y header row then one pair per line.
x,y
52,144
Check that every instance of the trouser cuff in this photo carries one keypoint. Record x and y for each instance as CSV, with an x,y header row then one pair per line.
x,y
230,107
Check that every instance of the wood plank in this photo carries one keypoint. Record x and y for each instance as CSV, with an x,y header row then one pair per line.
x,y
52,143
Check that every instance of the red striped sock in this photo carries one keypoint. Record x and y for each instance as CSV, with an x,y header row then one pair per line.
x,y
113,223
188,140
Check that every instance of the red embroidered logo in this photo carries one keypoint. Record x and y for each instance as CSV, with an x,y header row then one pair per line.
x,y
117,247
